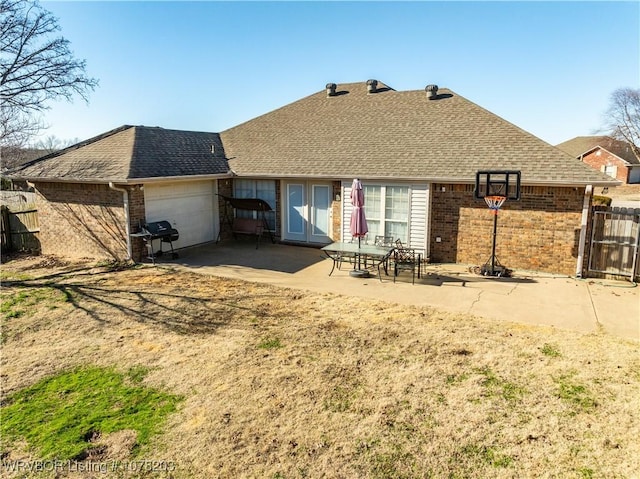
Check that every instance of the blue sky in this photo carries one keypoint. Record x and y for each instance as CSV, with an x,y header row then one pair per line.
x,y
548,67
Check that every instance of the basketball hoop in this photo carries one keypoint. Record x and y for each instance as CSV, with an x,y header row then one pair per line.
x,y
496,187
495,202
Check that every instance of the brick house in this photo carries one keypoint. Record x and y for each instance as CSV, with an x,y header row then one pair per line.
x,y
416,153
605,154
93,195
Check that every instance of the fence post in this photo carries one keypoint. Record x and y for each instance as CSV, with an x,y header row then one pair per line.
x,y
6,228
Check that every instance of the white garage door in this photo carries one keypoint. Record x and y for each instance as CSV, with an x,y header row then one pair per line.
x,y
188,206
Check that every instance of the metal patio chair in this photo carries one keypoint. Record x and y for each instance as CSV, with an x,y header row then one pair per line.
x,y
388,241
405,259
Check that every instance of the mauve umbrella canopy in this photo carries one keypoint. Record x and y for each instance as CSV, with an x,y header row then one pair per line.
x,y
358,225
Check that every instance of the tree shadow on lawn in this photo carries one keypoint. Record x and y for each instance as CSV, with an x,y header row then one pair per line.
x,y
179,313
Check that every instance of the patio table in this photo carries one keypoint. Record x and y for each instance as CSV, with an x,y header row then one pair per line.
x,y
378,254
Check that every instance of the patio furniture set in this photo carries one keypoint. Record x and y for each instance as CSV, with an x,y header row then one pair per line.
x,y
385,252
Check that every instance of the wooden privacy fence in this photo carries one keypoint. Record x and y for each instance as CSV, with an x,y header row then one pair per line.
x,y
20,227
615,242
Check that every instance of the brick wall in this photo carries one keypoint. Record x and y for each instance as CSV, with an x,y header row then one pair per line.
x,y
225,188
137,218
81,220
539,232
599,158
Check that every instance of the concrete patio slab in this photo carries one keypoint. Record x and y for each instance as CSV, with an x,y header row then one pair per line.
x,y
526,297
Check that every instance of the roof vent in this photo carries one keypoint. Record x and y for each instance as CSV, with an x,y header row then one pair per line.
x,y
331,89
372,86
432,91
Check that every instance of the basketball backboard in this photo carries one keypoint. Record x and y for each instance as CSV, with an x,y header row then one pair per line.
x,y
498,183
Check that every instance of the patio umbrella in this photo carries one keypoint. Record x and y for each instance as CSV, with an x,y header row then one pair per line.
x,y
358,224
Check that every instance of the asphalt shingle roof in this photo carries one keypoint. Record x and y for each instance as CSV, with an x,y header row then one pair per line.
x,y
388,134
129,153
581,145
394,134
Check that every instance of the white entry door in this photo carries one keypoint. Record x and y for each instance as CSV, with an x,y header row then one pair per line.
x,y
307,208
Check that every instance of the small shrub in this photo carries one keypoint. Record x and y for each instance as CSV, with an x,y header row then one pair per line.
x,y
601,200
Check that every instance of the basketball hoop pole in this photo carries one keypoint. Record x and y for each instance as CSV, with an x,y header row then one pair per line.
x,y
494,203
493,247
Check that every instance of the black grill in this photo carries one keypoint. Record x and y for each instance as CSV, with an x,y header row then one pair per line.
x,y
163,231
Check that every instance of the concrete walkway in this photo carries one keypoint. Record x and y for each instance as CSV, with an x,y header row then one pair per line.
x,y
527,297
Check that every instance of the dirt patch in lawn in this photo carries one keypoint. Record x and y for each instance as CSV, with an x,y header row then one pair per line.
x,y
286,383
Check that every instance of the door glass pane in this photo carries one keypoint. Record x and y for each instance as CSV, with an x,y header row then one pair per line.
x,y
320,210
266,190
243,189
263,189
295,216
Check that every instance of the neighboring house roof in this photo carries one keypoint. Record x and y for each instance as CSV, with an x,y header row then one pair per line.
x,y
13,156
581,145
131,153
394,134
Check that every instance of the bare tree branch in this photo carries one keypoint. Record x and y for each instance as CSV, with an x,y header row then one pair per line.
x,y
623,118
36,66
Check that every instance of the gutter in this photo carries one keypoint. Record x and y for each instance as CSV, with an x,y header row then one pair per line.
x,y
448,180
125,200
129,181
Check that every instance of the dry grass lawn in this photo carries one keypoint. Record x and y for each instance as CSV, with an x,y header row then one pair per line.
x,y
283,383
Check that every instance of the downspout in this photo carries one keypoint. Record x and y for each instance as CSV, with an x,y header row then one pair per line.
x,y
427,239
583,229
125,200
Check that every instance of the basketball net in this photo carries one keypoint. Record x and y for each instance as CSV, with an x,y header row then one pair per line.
x,y
495,202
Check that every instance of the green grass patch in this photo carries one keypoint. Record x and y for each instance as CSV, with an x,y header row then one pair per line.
x,y
14,276
270,343
485,454
397,464
28,300
550,350
387,458
586,472
496,386
59,416
341,398
456,378
575,394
